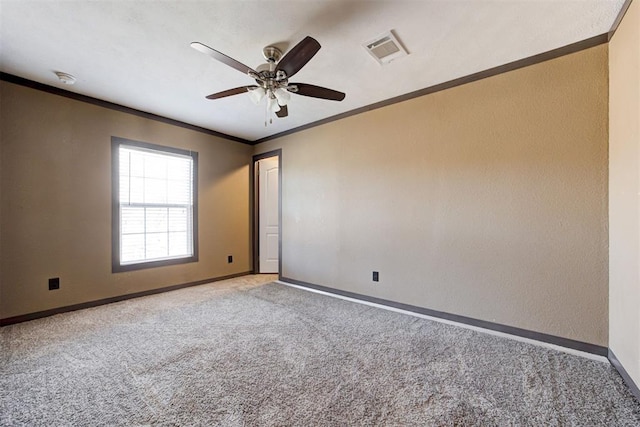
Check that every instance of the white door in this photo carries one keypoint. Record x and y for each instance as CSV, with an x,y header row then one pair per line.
x,y
268,220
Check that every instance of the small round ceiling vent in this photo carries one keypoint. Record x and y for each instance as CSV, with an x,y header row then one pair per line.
x,y
65,78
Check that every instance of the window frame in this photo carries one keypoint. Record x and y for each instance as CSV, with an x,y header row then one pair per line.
x,y
116,266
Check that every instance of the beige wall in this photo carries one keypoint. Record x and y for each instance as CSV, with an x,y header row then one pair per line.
x,y
624,192
488,200
56,202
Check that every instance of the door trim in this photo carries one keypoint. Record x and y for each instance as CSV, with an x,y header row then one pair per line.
x,y
255,207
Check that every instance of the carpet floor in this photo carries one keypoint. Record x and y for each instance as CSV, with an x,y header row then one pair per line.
x,y
243,352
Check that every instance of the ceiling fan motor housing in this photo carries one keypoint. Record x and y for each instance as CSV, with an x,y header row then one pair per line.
x,y
267,76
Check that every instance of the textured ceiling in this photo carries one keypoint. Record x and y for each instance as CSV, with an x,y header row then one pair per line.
x,y
137,53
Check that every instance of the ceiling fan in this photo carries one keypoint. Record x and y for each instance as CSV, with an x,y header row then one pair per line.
x,y
272,78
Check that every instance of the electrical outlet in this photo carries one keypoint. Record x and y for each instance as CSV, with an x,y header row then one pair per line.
x,y
376,276
230,259
54,283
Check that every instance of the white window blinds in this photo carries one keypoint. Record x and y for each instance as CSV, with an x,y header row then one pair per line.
x,y
155,205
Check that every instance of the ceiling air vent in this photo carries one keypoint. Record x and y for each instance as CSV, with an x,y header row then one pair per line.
x,y
385,48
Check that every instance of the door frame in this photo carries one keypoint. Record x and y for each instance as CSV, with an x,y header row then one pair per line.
x,y
255,208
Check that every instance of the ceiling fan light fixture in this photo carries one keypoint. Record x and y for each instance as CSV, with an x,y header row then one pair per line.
x,y
256,94
272,105
282,96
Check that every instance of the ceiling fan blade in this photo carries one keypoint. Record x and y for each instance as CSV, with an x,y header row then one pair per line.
x,y
297,57
222,58
316,92
284,111
229,92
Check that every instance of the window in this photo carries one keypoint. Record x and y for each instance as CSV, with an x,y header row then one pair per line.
x,y
154,205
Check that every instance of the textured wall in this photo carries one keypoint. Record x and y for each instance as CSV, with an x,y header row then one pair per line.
x,y
56,202
488,200
624,192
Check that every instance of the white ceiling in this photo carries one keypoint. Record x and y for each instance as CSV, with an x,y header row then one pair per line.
x,y
137,53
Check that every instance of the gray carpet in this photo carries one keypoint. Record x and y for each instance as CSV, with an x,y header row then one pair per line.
x,y
244,353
